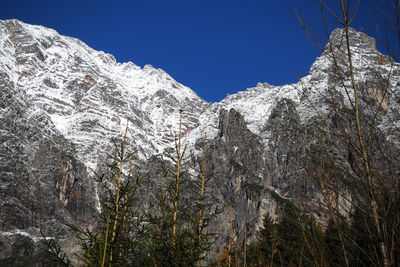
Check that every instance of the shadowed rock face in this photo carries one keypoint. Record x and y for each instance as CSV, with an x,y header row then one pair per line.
x,y
237,162
42,185
62,103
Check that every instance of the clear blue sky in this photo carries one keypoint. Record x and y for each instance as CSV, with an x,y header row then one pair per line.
x,y
213,46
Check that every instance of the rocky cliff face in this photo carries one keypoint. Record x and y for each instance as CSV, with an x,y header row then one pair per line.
x,y
42,183
62,103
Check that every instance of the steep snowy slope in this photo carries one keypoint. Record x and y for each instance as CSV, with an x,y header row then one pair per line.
x,y
310,93
89,96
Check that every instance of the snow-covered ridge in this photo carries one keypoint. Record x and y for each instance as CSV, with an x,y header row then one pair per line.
x,y
309,93
89,96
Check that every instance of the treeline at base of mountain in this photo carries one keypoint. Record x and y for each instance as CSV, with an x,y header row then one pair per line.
x,y
175,231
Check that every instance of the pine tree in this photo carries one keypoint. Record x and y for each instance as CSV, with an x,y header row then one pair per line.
x,y
334,251
266,238
178,235
119,232
363,239
290,237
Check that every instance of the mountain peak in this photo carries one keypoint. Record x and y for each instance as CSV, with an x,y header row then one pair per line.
x,y
88,95
356,39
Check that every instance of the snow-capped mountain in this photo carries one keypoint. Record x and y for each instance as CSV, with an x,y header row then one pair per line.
x,y
89,96
255,104
62,103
